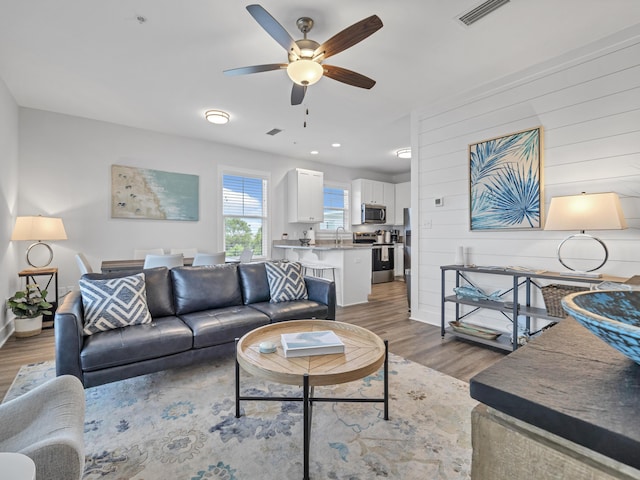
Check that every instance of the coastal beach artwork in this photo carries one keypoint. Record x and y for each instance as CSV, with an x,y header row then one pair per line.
x,y
153,194
505,182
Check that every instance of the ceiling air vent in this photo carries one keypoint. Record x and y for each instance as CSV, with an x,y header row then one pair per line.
x,y
274,131
481,11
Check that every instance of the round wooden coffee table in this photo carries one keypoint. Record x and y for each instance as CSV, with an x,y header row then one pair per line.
x,y
364,354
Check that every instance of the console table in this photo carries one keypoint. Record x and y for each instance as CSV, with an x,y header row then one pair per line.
x,y
566,406
512,309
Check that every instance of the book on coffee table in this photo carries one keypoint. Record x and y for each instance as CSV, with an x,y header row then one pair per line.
x,y
311,343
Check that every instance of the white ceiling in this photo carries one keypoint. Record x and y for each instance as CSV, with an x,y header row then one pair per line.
x,y
94,59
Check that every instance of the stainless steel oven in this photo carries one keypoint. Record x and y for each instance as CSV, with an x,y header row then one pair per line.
x,y
382,256
382,263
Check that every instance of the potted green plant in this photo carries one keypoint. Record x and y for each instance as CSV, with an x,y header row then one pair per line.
x,y
28,306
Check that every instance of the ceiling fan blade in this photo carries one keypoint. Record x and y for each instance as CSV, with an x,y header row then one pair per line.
x,y
273,28
255,69
349,36
297,94
347,76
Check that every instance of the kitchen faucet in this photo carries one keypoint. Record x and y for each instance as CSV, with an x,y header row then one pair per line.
x,y
338,239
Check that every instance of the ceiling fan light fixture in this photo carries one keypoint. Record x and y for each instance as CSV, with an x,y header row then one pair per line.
x,y
404,153
216,116
305,72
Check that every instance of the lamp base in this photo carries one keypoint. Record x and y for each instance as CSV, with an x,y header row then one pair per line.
x,y
30,262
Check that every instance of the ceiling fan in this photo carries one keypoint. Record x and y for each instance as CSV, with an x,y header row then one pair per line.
x,y
305,65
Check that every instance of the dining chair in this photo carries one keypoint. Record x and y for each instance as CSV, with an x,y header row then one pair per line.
x,y
169,261
203,259
187,252
141,254
246,255
83,264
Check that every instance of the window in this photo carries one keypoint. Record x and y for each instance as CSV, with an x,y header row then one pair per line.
x,y
336,207
244,212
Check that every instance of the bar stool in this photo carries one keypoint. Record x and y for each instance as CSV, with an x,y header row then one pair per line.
x,y
319,269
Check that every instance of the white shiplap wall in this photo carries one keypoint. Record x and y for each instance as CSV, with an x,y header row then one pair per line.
x,y
588,103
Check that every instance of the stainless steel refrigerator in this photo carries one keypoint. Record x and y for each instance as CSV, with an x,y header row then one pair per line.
x,y
407,253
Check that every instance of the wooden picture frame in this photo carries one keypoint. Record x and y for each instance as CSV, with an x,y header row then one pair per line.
x,y
506,182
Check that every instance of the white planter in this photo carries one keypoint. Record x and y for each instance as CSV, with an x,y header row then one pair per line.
x,y
27,327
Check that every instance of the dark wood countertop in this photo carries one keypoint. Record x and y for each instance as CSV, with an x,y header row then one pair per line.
x,y
572,384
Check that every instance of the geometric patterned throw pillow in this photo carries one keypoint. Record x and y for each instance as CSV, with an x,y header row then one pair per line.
x,y
286,282
114,303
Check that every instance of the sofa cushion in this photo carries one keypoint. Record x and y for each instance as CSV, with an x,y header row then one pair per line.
x,y
204,288
158,285
123,346
253,279
286,282
114,303
223,325
295,310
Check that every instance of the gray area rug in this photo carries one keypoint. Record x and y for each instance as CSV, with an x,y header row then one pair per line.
x,y
180,424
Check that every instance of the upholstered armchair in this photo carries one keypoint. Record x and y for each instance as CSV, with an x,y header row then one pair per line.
x,y
47,425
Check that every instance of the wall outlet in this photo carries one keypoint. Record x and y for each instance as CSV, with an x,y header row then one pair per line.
x,y
438,202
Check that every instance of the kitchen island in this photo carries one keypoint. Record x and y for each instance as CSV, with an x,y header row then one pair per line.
x,y
352,264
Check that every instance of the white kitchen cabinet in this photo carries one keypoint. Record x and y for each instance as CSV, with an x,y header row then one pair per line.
x,y
306,193
403,200
372,192
389,201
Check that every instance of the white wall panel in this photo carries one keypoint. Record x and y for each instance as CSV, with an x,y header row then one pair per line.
x,y
589,106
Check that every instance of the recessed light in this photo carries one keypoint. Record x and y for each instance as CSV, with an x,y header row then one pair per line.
x,y
216,116
404,153
335,145
314,152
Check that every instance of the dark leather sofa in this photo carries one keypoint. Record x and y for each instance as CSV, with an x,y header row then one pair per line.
x,y
197,313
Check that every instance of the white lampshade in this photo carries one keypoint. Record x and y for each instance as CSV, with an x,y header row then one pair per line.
x,y
39,228
305,72
595,211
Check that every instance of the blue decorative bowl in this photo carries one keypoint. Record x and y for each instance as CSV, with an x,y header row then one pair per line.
x,y
614,316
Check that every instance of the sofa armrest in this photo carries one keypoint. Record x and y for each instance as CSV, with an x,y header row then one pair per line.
x,y
69,338
323,291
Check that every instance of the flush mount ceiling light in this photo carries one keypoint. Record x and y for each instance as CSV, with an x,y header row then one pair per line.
x,y
404,153
335,145
314,152
216,116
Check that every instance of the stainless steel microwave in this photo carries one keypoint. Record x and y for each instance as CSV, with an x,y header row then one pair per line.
x,y
372,213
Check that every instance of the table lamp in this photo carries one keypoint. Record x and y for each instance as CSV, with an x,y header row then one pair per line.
x,y
595,211
39,228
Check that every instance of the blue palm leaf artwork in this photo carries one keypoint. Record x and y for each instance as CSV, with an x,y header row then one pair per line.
x,y
505,182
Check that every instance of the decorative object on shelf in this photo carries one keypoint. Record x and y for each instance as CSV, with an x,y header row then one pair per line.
x,y
459,260
28,306
505,182
39,228
553,294
613,316
153,194
476,294
475,330
595,211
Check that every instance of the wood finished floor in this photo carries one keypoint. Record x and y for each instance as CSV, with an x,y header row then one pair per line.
x,y
386,314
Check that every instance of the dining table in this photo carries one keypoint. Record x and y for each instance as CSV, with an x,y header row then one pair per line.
x,y
129,266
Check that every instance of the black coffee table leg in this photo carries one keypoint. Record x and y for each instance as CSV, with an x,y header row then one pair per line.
x,y
307,424
237,383
386,379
